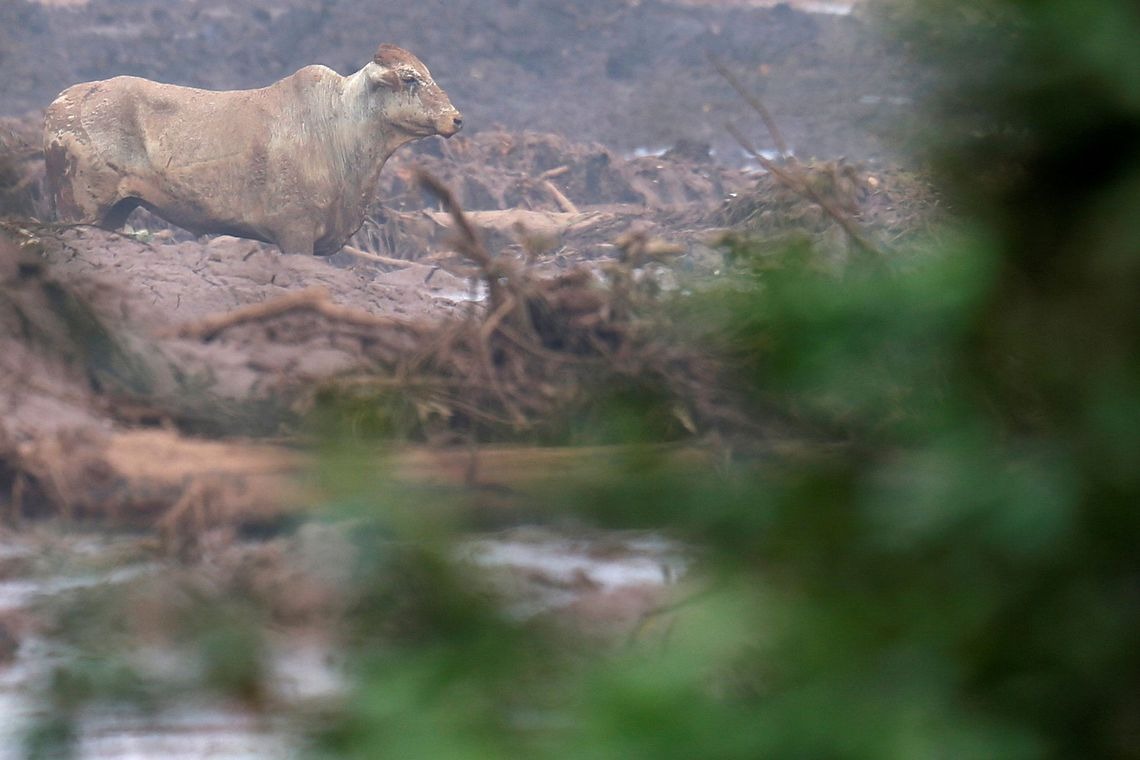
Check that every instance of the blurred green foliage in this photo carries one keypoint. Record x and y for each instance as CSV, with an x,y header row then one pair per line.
x,y
949,569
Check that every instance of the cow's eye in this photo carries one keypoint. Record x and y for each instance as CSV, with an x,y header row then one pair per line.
x,y
410,82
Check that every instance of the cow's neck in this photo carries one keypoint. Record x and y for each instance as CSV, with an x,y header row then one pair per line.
x,y
370,141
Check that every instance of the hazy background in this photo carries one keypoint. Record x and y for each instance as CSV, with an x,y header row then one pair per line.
x,y
629,74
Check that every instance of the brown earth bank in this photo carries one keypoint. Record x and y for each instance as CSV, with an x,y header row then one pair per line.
x,y
485,324
150,379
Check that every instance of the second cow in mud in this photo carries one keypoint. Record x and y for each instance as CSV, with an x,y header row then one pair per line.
x,y
295,163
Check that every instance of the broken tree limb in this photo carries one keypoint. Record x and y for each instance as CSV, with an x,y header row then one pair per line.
x,y
755,102
181,486
385,260
563,202
315,299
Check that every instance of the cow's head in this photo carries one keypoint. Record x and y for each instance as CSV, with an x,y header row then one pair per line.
x,y
410,99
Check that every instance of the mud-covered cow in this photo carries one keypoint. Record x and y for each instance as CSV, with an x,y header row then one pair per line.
x,y
295,163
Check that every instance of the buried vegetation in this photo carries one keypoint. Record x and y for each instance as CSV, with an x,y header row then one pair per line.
x,y
572,330
883,483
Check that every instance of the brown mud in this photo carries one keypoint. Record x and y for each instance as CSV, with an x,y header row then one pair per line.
x,y
150,379
484,297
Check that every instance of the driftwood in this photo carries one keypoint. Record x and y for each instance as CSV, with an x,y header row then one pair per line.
x,y
181,486
312,299
155,478
352,250
564,203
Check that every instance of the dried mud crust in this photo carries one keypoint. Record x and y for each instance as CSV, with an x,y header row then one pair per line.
x,y
100,375
542,204
106,335
82,391
626,74
120,348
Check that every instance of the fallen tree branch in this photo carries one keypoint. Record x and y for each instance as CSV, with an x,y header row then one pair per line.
x,y
752,100
183,486
315,299
557,171
385,260
564,203
792,177
470,244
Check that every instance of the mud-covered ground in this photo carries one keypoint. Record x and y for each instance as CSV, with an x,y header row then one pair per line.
x,y
592,169
582,119
136,366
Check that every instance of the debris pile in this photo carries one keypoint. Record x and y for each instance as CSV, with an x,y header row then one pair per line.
x,y
104,419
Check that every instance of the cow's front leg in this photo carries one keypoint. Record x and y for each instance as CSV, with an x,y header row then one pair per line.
x,y
296,239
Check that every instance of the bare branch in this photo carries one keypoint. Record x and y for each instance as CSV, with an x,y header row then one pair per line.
x,y
752,100
795,181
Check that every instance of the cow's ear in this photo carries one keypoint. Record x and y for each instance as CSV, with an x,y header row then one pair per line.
x,y
379,76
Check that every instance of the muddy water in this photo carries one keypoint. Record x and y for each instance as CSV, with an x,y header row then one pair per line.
x,y
539,571
614,577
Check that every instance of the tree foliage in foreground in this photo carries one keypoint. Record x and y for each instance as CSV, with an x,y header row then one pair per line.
x,y
957,574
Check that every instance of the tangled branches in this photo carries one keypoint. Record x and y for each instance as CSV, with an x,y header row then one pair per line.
x,y
529,361
545,349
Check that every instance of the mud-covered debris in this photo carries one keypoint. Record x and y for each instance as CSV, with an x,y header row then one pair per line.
x,y
887,206
21,169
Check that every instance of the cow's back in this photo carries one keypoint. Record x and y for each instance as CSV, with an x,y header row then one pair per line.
x,y
291,163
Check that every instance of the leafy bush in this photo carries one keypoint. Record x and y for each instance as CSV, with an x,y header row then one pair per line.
x,y
949,568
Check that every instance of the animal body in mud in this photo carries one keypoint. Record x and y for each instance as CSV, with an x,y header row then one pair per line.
x,y
295,163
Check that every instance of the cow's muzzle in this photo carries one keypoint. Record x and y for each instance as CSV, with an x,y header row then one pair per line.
x,y
450,123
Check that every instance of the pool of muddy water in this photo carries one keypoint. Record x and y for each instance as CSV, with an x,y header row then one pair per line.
x,y
605,578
